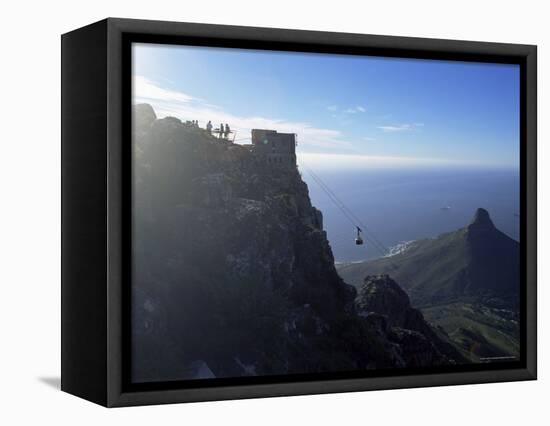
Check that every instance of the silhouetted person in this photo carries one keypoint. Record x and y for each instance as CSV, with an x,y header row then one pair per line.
x,y
227,131
209,127
221,130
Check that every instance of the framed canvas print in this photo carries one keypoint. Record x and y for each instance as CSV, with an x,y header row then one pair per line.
x,y
252,212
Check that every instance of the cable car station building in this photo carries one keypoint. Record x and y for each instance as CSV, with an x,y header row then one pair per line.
x,y
275,148
279,150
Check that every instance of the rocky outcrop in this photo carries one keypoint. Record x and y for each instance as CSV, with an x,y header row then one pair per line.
x,y
386,306
380,294
144,116
481,221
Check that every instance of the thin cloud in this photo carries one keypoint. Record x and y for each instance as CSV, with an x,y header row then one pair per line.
x,y
400,127
355,110
396,128
187,107
145,89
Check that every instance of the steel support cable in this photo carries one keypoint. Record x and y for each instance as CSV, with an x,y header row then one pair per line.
x,y
353,219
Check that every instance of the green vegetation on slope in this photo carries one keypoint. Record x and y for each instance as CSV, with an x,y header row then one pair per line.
x,y
481,333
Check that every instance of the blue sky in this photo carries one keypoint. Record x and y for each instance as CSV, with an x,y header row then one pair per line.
x,y
347,111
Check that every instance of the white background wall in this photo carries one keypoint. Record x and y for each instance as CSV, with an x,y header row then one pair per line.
x,y
30,211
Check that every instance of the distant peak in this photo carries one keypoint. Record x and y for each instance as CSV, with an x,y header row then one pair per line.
x,y
482,219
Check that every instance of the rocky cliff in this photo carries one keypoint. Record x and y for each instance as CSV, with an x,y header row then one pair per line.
x,y
232,274
410,339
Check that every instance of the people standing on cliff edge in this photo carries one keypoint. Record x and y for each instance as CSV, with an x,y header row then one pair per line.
x,y
209,127
227,131
221,130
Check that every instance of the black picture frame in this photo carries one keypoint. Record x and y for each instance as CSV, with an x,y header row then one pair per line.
x,y
96,199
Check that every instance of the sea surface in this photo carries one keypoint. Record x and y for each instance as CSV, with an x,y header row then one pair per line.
x,y
395,206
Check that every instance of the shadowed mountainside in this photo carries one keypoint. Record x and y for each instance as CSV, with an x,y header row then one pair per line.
x,y
233,275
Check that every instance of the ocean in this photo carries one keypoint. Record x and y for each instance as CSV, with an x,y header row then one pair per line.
x,y
396,207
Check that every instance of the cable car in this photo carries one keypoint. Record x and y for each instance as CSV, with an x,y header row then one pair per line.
x,y
358,239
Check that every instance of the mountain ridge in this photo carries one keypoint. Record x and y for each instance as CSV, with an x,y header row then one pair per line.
x,y
477,260
465,282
